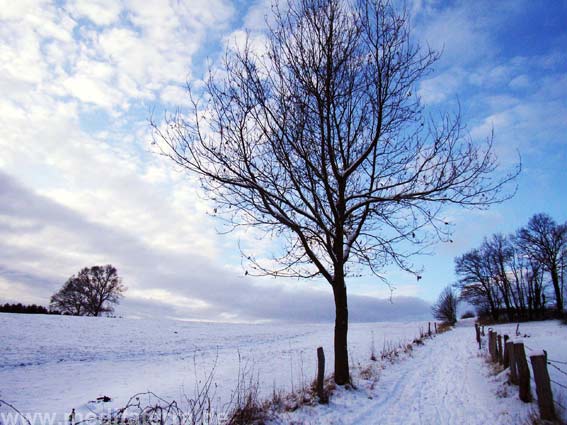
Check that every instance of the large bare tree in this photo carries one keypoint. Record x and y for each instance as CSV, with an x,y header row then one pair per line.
x,y
320,139
545,241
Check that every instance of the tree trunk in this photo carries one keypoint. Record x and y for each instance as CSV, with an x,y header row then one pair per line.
x,y
342,375
555,280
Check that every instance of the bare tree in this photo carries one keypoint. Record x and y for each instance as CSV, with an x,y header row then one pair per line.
x,y
94,291
545,241
445,308
476,281
321,140
498,254
70,299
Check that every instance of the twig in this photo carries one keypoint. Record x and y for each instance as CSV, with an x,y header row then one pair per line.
x,y
15,410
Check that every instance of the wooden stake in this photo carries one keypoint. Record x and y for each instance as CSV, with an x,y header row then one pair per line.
x,y
500,354
477,329
523,372
321,376
543,386
513,367
506,357
492,348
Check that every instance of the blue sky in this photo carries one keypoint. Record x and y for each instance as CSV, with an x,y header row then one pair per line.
x,y
79,185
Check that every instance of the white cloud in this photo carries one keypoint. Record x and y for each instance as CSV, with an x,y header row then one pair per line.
x,y
100,12
439,88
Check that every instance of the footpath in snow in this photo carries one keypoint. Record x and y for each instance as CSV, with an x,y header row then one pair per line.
x,y
446,381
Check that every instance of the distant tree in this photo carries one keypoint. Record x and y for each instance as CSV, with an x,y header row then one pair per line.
x,y
476,281
445,308
92,292
546,242
320,140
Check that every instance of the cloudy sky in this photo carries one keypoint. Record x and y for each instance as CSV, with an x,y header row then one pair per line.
x,y
79,184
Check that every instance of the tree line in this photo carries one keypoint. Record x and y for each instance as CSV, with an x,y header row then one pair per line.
x,y
516,276
27,309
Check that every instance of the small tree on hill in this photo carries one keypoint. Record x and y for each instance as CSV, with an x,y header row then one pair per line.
x,y
92,292
445,308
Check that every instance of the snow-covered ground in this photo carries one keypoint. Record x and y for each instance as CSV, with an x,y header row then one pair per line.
x,y
446,381
51,364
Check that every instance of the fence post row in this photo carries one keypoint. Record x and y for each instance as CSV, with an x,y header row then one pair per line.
x,y
512,354
543,386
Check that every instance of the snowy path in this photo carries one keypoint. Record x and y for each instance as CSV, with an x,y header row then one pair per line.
x,y
445,382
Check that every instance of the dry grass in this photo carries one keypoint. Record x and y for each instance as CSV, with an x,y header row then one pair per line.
x,y
444,327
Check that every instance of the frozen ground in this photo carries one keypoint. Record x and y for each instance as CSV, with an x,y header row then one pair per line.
x,y
447,381
51,364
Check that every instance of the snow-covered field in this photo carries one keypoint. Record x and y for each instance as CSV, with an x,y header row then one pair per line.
x,y
51,364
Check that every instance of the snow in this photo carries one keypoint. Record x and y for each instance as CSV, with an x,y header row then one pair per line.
x,y
52,364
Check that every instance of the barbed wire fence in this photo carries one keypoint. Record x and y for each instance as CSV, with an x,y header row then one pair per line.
x,y
512,355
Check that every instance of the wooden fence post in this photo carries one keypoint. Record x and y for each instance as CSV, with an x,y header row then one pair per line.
x,y
477,329
506,357
500,354
513,369
482,333
543,386
523,372
321,376
435,328
492,348
429,328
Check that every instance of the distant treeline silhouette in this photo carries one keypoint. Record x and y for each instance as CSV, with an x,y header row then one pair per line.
x,y
520,276
27,309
